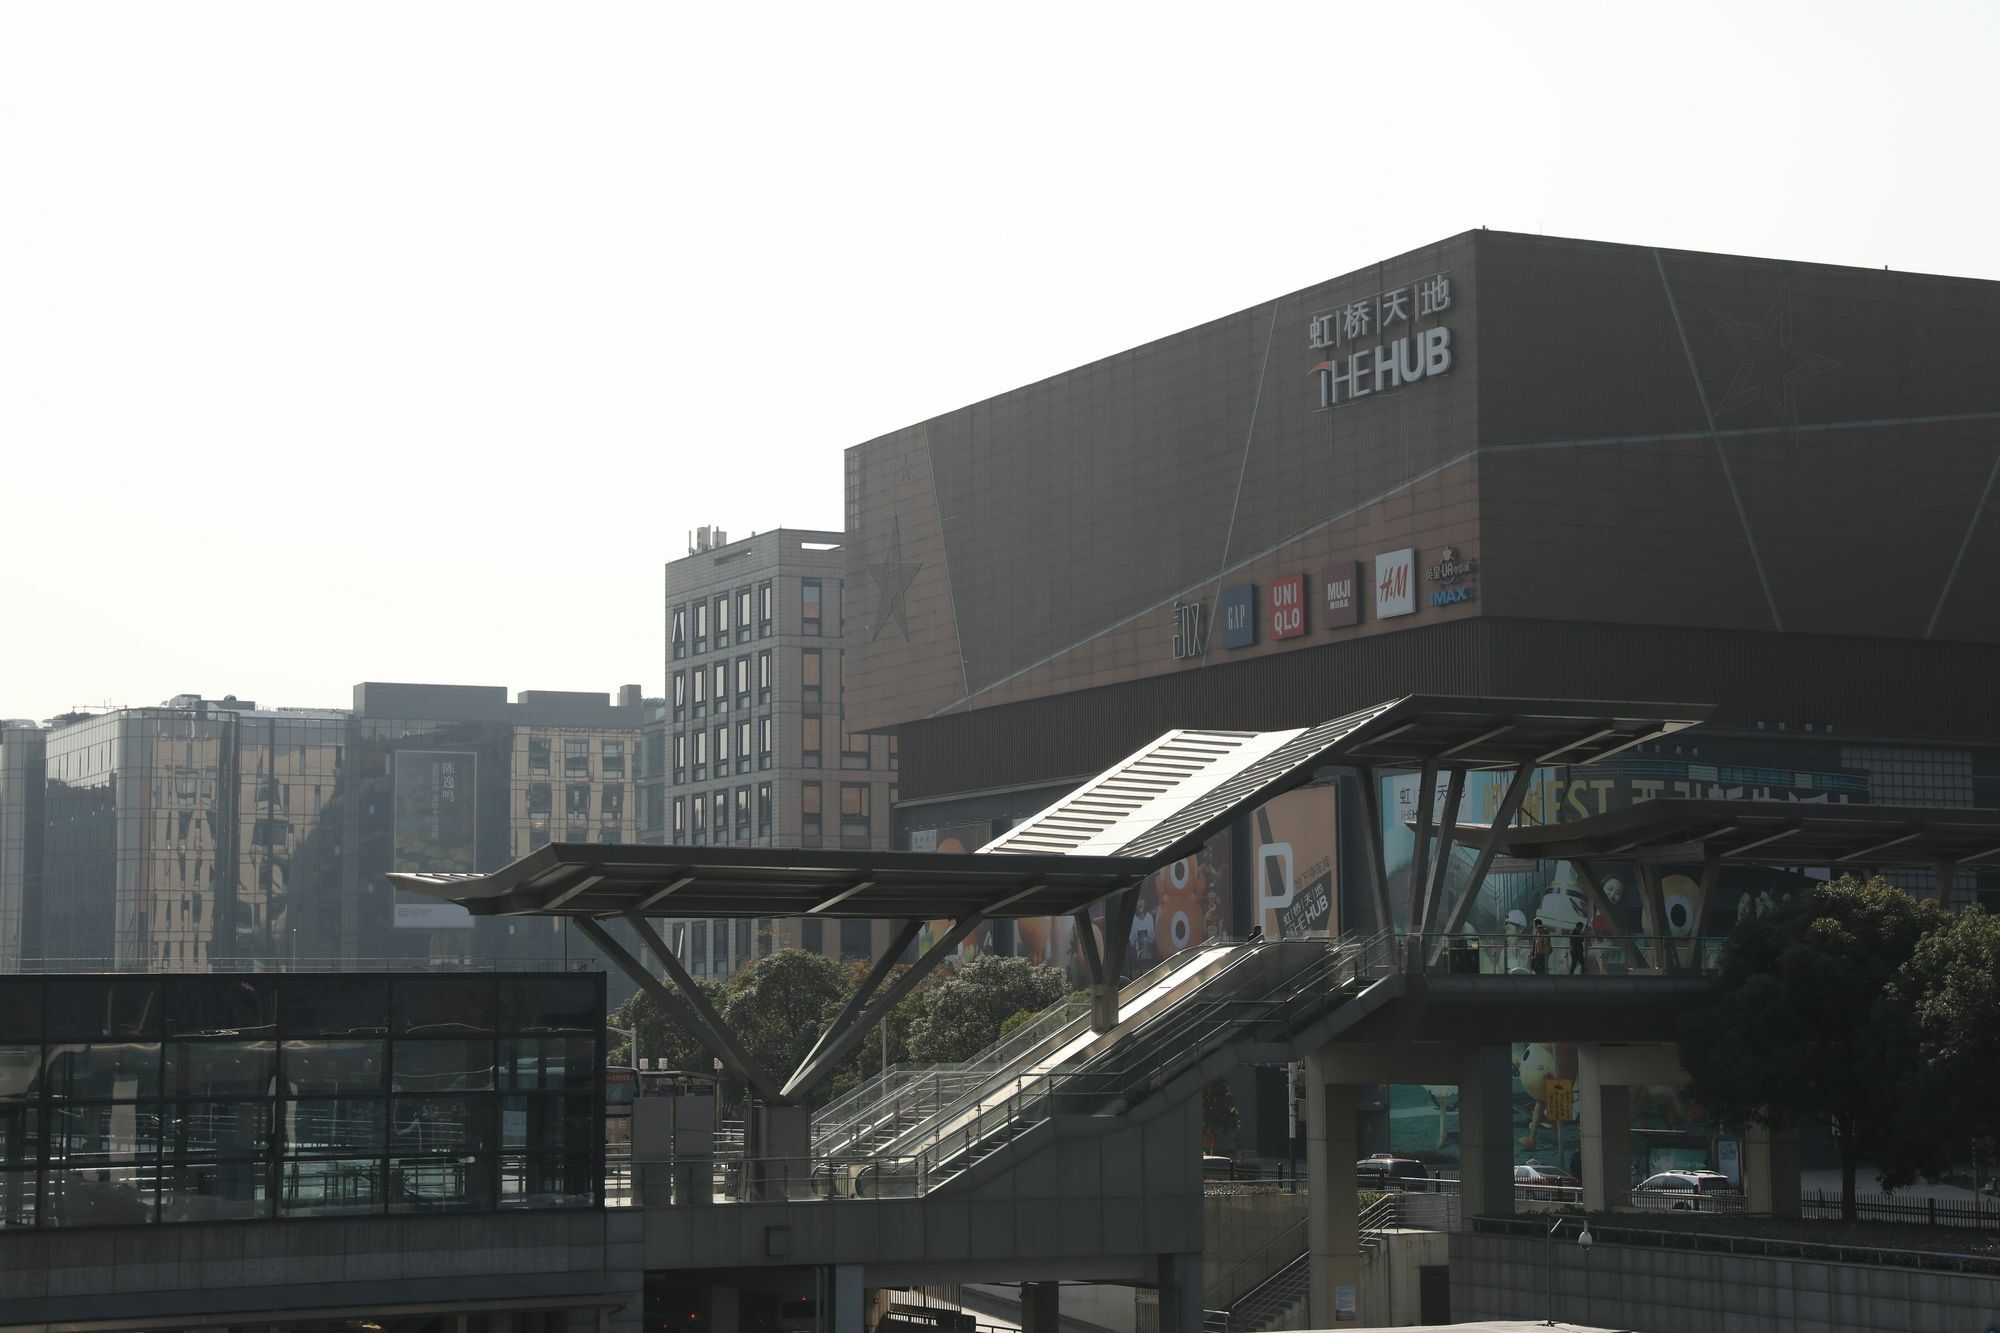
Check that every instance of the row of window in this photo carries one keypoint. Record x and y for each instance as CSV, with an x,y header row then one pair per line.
x,y
577,803
692,749
693,691
576,757
699,615
722,815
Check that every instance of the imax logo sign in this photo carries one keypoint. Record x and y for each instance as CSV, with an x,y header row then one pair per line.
x,y
1447,596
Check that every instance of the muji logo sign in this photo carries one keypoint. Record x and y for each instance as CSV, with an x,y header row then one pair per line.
x,y
1395,583
1288,606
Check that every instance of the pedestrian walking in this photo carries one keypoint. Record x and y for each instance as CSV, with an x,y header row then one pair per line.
x,y
1541,947
1576,946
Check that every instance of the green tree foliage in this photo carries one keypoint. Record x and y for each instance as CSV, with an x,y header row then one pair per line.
x,y
661,1039
778,1006
1815,1015
963,1013
1219,1111
1956,973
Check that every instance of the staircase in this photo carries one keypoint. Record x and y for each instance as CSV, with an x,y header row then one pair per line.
x,y
917,1131
1280,1301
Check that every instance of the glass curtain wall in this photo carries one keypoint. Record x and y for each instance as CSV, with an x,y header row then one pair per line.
x,y
192,1099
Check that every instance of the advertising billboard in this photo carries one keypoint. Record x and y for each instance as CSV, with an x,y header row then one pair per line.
x,y
1340,587
1236,609
1288,606
1291,863
1395,583
435,800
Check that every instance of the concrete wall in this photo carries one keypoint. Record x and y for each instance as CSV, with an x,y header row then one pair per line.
x,y
362,1265
1388,1293
1239,1228
1678,1291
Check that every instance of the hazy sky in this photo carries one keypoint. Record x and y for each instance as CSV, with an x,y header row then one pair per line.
x,y
407,341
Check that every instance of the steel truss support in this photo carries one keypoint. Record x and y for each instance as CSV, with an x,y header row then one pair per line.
x,y
1496,832
683,1000
826,1056
1371,836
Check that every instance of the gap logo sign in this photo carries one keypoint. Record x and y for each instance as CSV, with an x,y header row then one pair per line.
x,y
1236,615
1288,607
1341,593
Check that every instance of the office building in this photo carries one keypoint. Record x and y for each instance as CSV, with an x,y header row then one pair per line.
x,y
754,742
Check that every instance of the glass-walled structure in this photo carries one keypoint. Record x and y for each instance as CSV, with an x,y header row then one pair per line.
x,y
202,1098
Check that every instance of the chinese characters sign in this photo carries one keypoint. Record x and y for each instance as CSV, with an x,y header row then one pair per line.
x,y
1190,633
1373,345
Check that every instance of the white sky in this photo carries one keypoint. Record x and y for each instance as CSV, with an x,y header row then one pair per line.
x,y
402,341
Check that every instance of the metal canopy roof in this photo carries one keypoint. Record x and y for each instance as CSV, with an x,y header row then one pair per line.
x,y
592,879
1151,808
1165,801
1784,833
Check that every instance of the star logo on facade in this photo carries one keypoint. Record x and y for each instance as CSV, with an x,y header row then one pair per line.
x,y
892,579
1770,364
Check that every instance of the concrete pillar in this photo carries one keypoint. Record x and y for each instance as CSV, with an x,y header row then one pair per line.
x,y
1040,1307
1485,1131
1771,1170
1604,1122
1333,1231
724,1309
1180,1294
843,1299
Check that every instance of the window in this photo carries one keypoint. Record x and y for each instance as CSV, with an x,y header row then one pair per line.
x,y
576,758
893,751
763,742
680,756
701,626
854,802
722,620
809,813
742,814
812,934
700,755
680,817
763,808
742,615
809,607
764,676
679,633
698,813
743,681
764,610
576,803
614,759
653,754
541,801
721,812
853,941
721,691
809,742
743,746
853,749
700,682
680,696
611,804
652,808
538,756
809,676
722,749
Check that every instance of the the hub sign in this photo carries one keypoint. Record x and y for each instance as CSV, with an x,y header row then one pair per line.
x,y
1385,349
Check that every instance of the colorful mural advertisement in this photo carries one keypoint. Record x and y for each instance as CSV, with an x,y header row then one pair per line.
x,y
1292,863
1184,905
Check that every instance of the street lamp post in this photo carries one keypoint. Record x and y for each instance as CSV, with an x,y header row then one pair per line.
x,y
1583,1242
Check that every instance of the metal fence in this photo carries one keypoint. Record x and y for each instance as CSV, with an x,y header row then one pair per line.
x,y
1883,1208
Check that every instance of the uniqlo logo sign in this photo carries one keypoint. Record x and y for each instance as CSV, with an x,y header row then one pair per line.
x,y
1288,606
1395,583
1341,593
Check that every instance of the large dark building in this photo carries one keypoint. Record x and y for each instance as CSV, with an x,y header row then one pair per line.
x,y
1500,465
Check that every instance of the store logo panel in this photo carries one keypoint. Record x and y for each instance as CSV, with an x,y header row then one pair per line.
x,y
1236,612
1453,574
1395,583
1340,594
1288,607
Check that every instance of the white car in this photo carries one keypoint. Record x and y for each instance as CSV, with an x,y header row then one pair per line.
x,y
1686,1191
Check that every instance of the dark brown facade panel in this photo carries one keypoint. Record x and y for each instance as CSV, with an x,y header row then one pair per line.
x,y
1862,688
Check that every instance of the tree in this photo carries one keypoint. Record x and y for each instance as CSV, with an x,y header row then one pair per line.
x,y
661,1039
1219,1112
1956,972
1814,1015
779,1005
963,1013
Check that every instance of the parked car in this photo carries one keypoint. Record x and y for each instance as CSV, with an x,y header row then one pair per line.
x,y
1687,1191
1386,1171
1215,1167
1536,1181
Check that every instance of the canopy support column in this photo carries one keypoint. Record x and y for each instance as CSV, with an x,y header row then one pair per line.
x,y
1117,936
827,1056
1496,832
693,1012
1371,836
863,993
